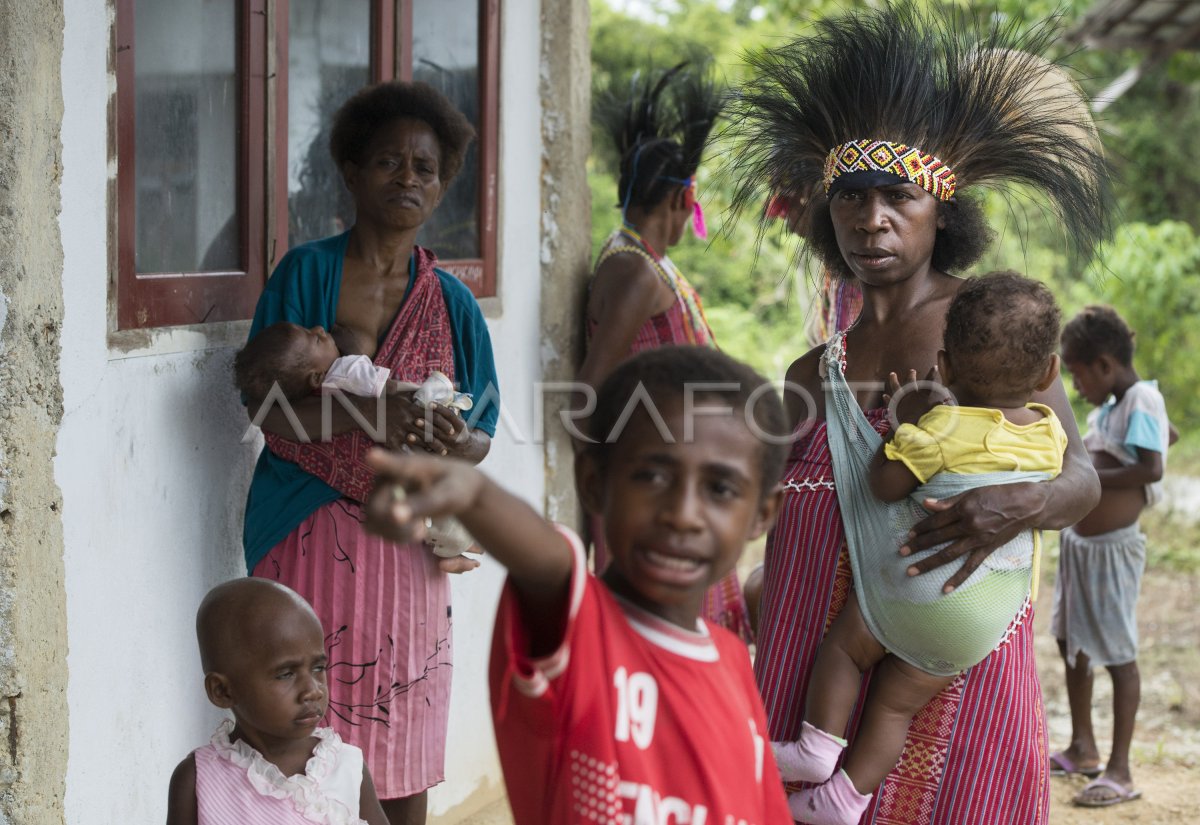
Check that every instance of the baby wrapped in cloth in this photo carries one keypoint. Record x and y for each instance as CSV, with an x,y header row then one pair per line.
x,y
939,633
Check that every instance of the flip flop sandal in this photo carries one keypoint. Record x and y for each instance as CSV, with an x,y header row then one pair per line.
x,y
1063,765
1120,794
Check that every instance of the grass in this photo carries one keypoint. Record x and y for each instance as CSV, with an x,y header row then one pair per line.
x,y
1184,456
1172,540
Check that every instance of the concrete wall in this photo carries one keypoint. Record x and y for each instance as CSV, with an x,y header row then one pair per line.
x,y
33,718
565,87
153,476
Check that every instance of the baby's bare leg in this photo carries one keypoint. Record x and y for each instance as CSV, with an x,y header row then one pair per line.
x,y
847,651
898,690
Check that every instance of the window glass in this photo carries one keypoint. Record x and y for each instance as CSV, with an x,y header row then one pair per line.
x,y
186,101
329,59
445,54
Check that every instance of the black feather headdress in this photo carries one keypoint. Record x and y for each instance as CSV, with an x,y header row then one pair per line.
x,y
979,99
659,123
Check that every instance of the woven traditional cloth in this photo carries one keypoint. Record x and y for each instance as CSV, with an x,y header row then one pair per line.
x,y
907,162
977,753
418,342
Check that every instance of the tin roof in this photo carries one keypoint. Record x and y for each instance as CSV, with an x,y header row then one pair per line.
x,y
1159,27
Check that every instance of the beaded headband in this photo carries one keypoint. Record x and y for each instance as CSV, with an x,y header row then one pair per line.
x,y
905,162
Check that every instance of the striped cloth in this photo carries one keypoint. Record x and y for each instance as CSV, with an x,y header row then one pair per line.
x,y
840,303
385,608
975,754
682,323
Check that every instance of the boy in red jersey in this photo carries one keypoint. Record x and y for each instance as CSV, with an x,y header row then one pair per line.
x,y
613,702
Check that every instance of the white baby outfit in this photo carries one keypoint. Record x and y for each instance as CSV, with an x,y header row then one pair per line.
x,y
357,375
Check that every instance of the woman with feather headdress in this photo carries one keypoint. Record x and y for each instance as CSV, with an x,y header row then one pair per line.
x,y
638,300
880,121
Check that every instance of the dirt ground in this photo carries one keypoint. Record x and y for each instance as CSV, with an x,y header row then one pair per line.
x,y
1166,748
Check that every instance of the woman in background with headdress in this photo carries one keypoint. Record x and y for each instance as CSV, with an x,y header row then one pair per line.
x,y
638,299
877,121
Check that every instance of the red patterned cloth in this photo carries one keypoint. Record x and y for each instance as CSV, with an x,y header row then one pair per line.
x,y
682,323
418,342
841,302
975,754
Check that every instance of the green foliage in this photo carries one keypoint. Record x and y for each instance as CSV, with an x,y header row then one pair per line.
x,y
1151,275
1172,540
1184,457
769,348
1159,177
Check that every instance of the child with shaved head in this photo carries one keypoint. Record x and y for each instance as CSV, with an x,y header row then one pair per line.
x,y
263,653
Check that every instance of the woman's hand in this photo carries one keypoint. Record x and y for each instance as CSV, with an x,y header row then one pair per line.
x,y
974,523
441,430
402,417
410,425
437,430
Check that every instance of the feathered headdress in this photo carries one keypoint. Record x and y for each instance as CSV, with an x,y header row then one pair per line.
x,y
932,98
659,124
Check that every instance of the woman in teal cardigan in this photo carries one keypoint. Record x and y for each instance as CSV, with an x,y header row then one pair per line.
x,y
384,606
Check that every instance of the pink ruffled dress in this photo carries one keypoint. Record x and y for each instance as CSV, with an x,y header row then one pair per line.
x,y
236,785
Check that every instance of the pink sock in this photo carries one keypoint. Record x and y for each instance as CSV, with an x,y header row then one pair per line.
x,y
834,803
811,758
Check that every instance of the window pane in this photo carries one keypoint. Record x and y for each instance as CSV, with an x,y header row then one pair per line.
x,y
329,59
445,45
186,129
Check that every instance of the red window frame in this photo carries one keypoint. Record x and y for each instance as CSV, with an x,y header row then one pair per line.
x,y
175,299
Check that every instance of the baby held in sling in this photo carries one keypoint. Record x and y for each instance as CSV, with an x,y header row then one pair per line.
x,y
999,349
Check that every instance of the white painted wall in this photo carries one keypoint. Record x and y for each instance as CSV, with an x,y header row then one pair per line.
x,y
472,769
153,475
